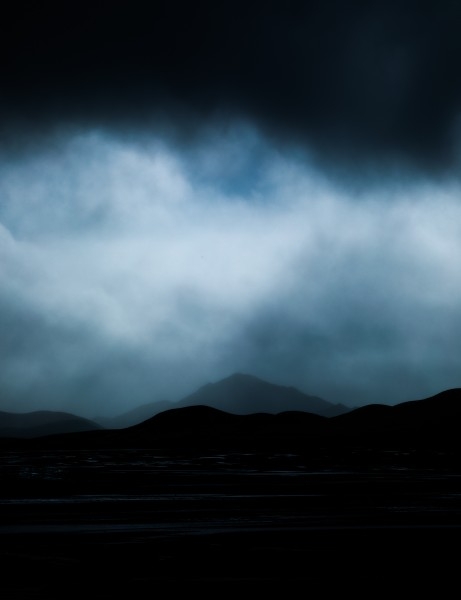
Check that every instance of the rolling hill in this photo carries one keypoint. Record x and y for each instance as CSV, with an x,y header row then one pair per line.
x,y
41,423
432,423
427,427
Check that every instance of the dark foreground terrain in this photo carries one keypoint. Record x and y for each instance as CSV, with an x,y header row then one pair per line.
x,y
138,521
200,501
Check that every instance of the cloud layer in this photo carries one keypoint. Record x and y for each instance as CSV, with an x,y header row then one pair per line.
x,y
193,189
135,268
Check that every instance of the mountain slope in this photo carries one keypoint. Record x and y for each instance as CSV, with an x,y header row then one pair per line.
x,y
42,423
245,394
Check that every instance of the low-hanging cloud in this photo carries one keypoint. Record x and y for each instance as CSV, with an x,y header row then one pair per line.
x,y
135,270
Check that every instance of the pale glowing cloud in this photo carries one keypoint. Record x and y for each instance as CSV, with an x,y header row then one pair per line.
x,y
133,269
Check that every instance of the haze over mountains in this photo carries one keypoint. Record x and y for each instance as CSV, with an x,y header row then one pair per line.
x,y
245,394
240,394
411,433
243,410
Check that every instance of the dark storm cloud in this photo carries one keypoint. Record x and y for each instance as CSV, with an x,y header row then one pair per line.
x,y
359,80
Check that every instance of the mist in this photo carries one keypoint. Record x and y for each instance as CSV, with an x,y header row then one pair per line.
x,y
137,268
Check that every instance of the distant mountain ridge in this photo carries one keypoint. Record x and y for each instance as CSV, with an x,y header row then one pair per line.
x,y
430,425
426,430
244,394
239,394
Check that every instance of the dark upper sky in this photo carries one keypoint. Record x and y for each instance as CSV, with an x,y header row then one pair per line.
x,y
374,80
189,189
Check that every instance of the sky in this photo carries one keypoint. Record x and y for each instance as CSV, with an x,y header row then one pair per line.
x,y
194,189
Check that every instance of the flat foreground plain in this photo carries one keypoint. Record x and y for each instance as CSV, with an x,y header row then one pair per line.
x,y
103,522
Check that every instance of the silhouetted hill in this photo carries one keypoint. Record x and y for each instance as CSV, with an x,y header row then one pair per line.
x,y
430,425
199,422
195,427
441,409
429,422
245,394
42,422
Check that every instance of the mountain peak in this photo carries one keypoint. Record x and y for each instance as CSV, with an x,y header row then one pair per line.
x,y
238,376
242,393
